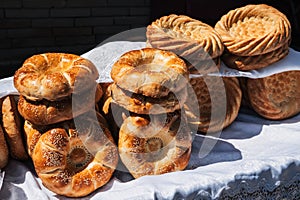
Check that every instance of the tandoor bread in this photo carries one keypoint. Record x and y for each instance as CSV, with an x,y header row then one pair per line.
x,y
13,128
213,103
275,97
141,104
53,76
76,157
150,72
44,112
185,36
155,144
4,154
253,30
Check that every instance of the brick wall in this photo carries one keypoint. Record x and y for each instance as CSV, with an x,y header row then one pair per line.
x,y
29,27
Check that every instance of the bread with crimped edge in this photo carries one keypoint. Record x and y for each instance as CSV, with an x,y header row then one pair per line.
x,y
187,37
253,29
53,76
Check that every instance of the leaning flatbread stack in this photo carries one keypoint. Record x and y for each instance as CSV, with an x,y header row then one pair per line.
x,y
150,88
69,142
256,36
13,127
201,47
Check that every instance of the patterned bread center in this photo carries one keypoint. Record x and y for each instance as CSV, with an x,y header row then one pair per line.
x,y
252,27
154,144
78,158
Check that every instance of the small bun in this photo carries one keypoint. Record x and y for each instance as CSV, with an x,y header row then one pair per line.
x,y
53,76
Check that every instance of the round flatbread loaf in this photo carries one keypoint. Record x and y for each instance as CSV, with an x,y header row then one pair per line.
x,y
187,37
150,72
3,149
245,63
53,76
13,128
44,112
76,157
147,105
253,30
277,96
213,103
154,145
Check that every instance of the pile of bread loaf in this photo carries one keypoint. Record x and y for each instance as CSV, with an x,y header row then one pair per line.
x,y
150,87
68,141
75,129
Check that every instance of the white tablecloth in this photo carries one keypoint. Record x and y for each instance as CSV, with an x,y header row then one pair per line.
x,y
252,154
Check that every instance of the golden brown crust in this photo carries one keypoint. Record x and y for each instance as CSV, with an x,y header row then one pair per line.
x,y
158,146
150,72
213,103
275,97
53,76
46,112
146,105
187,37
12,127
75,157
245,63
3,149
253,30
114,113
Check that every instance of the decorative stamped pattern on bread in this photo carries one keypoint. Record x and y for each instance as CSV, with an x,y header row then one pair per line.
x,y
155,144
76,157
53,76
187,37
253,30
215,103
150,72
275,97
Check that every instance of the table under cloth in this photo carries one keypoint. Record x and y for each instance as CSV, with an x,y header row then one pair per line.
x,y
253,158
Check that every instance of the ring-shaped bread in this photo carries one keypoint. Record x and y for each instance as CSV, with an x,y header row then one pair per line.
x,y
253,30
53,76
275,97
141,104
46,112
75,157
150,72
156,144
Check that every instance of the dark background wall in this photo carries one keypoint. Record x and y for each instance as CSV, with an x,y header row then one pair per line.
x,y
29,27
